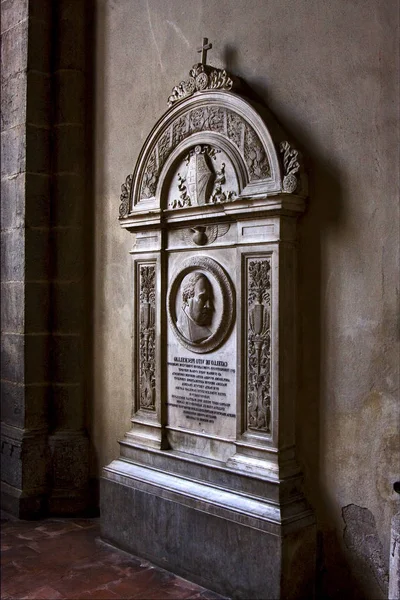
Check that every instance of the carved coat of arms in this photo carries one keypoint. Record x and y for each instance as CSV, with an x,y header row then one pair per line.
x,y
199,178
202,184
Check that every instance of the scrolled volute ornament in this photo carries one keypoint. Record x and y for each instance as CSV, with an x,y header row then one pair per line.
x,y
125,194
291,167
201,78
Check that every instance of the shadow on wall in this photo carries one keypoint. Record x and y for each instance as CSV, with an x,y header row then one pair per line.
x,y
337,576
325,212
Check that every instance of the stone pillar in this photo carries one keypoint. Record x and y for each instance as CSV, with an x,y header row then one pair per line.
x,y
25,190
68,440
44,442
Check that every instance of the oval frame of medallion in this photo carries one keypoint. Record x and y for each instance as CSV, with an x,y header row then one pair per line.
x,y
207,265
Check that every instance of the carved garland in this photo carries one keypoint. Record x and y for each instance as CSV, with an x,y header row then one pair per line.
x,y
259,346
147,386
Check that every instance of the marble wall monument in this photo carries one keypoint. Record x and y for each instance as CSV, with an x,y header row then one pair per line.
x,y
207,483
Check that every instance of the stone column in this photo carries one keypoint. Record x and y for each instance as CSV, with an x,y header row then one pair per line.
x,y
68,440
44,442
25,192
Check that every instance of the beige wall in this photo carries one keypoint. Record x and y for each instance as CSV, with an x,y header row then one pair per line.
x,y
329,72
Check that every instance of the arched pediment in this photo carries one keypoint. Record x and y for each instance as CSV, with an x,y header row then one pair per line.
x,y
216,123
231,122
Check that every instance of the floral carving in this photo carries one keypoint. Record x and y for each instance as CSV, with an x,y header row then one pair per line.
x,y
216,120
179,130
164,147
198,119
201,78
259,346
235,126
184,198
147,387
219,79
150,178
291,166
255,156
125,194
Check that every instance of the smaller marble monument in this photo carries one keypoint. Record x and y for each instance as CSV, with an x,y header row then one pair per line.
x,y
207,484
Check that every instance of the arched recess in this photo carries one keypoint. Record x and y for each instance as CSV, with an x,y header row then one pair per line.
x,y
219,117
215,140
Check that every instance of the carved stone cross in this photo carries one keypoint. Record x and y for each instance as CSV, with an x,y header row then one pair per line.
x,y
204,48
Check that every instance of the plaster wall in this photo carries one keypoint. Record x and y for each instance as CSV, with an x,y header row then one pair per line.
x,y
329,72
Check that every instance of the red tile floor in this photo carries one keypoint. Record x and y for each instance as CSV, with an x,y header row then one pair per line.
x,y
62,558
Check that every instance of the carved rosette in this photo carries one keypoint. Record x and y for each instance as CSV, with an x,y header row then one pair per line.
x,y
125,194
201,78
147,295
291,166
259,346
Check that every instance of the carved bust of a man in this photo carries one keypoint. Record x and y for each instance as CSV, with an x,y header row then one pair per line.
x,y
195,317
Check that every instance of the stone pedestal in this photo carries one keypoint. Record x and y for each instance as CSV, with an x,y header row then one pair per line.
x,y
207,484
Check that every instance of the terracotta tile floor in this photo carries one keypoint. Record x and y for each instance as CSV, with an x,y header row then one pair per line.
x,y
61,558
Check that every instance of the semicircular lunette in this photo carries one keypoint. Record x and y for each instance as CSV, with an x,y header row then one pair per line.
x,y
201,174
216,119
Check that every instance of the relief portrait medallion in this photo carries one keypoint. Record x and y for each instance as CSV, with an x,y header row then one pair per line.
x,y
200,304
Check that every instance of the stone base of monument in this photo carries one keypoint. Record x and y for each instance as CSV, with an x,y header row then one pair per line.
x,y
242,536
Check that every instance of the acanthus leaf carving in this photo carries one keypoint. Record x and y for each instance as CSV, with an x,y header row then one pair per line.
x,y
255,156
125,194
259,346
219,79
184,198
291,166
150,177
147,295
201,78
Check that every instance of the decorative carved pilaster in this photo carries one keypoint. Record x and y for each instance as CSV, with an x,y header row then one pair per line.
x,y
259,346
147,295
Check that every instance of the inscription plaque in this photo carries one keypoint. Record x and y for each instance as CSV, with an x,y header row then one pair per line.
x,y
202,394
